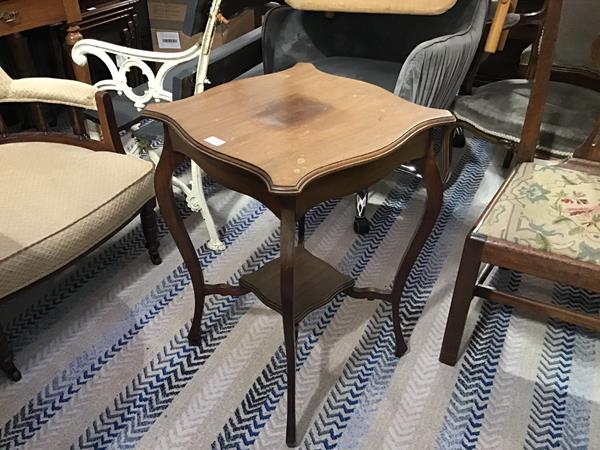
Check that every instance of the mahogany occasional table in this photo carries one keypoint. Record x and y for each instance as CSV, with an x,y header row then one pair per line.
x,y
291,140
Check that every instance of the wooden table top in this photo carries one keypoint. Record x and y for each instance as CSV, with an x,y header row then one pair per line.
x,y
292,127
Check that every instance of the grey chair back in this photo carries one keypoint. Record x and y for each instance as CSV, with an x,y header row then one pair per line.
x,y
435,51
579,26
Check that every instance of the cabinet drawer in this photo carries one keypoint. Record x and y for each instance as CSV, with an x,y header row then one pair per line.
x,y
21,15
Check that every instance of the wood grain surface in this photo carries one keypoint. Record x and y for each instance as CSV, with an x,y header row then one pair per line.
x,y
294,126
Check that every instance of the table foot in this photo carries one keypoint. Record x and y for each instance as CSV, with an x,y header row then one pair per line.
x,y
401,348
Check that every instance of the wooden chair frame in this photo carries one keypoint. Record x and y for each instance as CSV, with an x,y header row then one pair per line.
x,y
495,252
111,142
495,42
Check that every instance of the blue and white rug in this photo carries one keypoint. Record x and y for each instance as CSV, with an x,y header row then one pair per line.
x,y
106,363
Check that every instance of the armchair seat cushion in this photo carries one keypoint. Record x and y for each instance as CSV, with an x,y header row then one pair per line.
x,y
58,201
549,208
569,114
380,73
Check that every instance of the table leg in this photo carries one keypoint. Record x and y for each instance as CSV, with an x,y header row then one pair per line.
x,y
287,244
435,190
169,161
301,230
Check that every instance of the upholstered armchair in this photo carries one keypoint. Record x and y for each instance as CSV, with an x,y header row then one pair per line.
x,y
421,51
62,193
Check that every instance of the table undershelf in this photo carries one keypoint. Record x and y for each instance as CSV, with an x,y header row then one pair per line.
x,y
315,283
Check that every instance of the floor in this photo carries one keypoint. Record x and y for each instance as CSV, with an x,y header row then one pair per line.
x,y
106,363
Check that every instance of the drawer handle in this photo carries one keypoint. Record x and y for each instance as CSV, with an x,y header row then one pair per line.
x,y
9,16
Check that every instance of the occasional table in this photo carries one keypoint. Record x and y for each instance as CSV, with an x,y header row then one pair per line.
x,y
291,140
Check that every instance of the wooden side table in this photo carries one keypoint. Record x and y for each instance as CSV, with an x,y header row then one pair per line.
x,y
294,139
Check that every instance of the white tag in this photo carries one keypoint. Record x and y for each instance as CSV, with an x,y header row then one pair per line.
x,y
213,140
168,39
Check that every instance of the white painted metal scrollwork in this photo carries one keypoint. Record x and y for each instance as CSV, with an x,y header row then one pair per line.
x,y
132,58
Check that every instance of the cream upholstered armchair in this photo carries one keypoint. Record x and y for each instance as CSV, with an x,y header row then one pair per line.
x,y
63,194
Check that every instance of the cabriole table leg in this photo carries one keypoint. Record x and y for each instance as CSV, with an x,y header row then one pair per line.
x,y
435,190
169,161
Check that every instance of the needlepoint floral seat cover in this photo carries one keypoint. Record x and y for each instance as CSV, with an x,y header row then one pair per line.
x,y
549,208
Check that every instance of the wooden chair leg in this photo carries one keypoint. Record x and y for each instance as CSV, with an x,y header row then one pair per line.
x,y
7,364
508,158
150,229
461,298
433,184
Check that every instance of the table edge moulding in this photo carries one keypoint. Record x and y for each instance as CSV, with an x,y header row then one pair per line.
x,y
291,140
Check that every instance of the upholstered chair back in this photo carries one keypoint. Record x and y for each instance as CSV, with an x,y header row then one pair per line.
x,y
579,27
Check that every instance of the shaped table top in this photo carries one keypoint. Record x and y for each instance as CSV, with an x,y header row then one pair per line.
x,y
292,127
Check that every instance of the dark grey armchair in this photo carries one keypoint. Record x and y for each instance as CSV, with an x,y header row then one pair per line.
x,y
423,59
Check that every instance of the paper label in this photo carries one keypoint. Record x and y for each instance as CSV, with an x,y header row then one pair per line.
x,y
213,140
168,39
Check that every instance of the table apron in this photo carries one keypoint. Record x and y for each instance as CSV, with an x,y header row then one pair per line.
x,y
333,185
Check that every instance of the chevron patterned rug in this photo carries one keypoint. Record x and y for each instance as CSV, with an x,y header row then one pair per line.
x,y
106,363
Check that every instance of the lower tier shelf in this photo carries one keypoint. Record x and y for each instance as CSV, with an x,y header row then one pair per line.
x,y
315,283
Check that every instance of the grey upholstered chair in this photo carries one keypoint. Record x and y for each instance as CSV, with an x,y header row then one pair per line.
x,y
497,110
421,58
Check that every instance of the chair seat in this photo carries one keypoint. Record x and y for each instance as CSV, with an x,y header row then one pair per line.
x,y
380,73
569,114
58,201
549,208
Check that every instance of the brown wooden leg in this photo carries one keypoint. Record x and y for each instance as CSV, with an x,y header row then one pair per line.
x,y
150,229
461,299
288,235
446,156
169,161
433,206
508,158
7,364
301,230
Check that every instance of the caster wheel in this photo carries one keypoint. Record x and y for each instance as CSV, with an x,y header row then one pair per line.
x,y
459,141
12,372
361,225
156,259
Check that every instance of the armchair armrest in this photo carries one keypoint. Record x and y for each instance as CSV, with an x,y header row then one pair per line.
x,y
47,90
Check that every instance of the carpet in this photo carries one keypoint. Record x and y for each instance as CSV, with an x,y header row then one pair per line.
x,y
106,363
